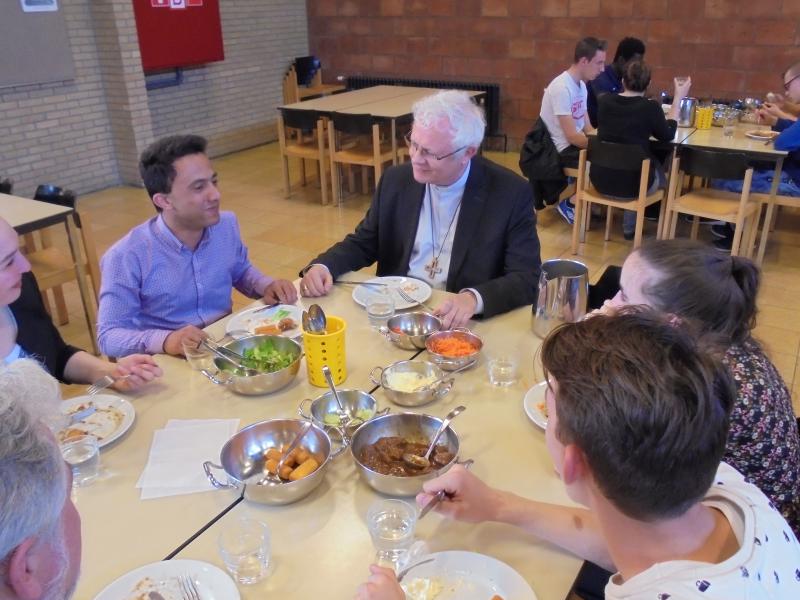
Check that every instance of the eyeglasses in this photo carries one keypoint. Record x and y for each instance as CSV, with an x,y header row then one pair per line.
x,y
424,152
788,83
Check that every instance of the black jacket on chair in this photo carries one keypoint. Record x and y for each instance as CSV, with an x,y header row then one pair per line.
x,y
540,163
495,245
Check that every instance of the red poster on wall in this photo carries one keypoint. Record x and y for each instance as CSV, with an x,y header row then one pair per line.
x,y
178,33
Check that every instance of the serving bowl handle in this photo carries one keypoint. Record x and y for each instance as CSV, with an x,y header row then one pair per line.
x,y
344,445
214,378
382,411
444,387
463,330
301,409
372,375
207,465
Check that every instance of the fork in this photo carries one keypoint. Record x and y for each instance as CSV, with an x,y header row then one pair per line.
x,y
408,298
102,383
188,588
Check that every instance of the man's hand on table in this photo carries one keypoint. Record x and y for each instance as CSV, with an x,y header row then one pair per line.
x,y
280,290
316,282
468,498
188,334
140,369
457,310
381,585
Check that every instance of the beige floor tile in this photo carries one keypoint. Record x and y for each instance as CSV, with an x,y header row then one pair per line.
x,y
777,340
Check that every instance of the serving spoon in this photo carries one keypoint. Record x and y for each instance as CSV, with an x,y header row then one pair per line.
x,y
446,376
423,462
344,416
317,320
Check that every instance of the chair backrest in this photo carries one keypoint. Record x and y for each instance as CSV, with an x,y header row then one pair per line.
x,y
6,186
712,164
305,120
306,67
55,195
360,124
613,155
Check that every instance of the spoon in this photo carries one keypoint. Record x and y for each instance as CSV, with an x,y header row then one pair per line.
x,y
274,477
316,319
306,322
343,414
423,462
405,571
437,381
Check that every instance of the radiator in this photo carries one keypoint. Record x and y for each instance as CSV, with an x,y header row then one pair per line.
x,y
491,91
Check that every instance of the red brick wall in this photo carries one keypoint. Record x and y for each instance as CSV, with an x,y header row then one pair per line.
x,y
731,48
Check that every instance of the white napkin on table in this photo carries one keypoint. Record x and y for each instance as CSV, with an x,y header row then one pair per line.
x,y
175,464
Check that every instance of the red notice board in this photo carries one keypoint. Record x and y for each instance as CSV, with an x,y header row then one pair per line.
x,y
178,33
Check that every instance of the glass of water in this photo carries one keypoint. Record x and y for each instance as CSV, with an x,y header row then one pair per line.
x,y
82,454
391,525
380,307
728,123
197,356
503,370
244,545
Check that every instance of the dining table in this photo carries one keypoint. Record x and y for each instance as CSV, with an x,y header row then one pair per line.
x,y
26,215
320,545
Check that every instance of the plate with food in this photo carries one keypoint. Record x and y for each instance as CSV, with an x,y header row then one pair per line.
x,y
415,288
535,406
160,580
112,417
466,576
281,319
762,134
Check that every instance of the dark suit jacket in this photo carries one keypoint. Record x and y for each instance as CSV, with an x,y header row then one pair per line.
x,y
495,248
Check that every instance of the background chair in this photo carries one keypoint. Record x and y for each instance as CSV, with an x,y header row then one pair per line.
x,y
51,265
356,140
740,210
301,134
770,217
622,157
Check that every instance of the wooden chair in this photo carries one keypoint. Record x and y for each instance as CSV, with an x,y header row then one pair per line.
x,y
740,210
355,139
53,266
623,157
294,92
301,133
769,217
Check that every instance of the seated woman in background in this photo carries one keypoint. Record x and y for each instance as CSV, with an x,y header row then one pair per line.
x,y
630,118
26,330
717,291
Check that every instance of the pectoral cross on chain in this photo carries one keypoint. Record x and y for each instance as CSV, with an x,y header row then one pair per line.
x,y
433,268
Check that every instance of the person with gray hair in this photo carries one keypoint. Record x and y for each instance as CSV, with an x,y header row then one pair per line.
x,y
449,217
40,538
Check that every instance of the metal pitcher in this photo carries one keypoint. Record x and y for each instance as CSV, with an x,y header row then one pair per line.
x,y
563,294
686,110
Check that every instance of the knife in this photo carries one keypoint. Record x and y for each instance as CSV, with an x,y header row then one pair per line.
x,y
81,415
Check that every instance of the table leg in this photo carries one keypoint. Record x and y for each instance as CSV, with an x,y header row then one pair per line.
x,y
80,274
773,192
394,143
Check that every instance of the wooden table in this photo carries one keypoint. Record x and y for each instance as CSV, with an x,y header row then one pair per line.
x,y
26,215
714,139
345,100
327,528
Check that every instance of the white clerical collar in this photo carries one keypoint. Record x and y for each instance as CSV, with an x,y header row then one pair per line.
x,y
457,187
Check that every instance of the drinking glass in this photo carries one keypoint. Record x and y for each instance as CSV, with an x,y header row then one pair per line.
x,y
244,545
728,123
380,307
502,370
681,79
391,525
82,454
197,356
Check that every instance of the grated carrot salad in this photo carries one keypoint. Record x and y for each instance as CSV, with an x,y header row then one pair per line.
x,y
452,346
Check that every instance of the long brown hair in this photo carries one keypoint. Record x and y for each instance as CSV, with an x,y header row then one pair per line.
x,y
695,281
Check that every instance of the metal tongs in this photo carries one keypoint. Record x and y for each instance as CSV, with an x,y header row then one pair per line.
x,y
228,355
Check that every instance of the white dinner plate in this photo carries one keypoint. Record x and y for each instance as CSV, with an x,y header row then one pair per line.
x,y
113,417
417,289
470,576
162,577
761,134
250,319
534,404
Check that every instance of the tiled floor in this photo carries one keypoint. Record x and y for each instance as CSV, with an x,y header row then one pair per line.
x,y
284,234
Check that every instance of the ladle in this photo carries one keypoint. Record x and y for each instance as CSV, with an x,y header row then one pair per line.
x,y
423,462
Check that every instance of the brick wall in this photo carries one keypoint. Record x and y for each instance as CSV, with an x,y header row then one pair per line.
x,y
87,134
731,48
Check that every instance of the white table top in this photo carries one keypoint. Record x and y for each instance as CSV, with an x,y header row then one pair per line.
x,y
122,532
26,215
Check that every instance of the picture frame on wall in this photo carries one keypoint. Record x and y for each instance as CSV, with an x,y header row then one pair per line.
x,y
39,5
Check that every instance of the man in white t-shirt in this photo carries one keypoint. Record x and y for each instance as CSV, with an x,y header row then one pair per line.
x,y
564,107
637,424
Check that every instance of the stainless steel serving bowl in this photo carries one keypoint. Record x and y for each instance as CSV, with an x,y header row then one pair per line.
x,y
261,383
411,426
382,376
451,363
410,330
243,457
352,401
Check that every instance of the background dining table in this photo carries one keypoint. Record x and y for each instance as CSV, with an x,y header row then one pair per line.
x,y
320,545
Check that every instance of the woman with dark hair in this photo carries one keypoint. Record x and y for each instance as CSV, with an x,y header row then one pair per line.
x,y
630,118
718,292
